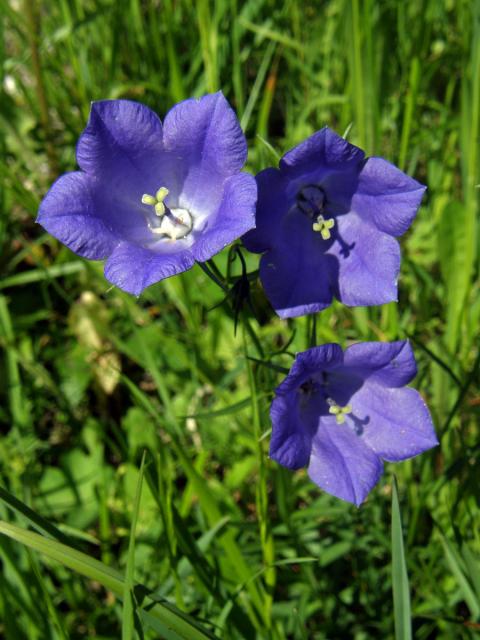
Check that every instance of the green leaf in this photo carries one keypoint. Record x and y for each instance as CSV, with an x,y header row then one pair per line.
x,y
163,617
37,521
401,590
128,617
459,571
456,260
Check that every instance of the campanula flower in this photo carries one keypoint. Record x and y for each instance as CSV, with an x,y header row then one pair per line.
x,y
326,225
343,413
153,198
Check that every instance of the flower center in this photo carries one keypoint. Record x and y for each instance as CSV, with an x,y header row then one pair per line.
x,y
156,201
338,411
323,225
311,202
171,223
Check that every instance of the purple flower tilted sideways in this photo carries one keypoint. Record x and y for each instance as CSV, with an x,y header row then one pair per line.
x,y
150,198
343,413
326,225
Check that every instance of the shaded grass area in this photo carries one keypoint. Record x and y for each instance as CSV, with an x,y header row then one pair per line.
x,y
91,377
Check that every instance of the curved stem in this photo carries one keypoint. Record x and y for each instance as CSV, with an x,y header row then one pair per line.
x,y
203,266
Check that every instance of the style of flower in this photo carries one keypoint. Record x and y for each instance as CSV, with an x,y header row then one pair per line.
x,y
150,198
343,413
326,225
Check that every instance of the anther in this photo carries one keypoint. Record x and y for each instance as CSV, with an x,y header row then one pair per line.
x,y
156,201
323,225
173,223
339,412
151,200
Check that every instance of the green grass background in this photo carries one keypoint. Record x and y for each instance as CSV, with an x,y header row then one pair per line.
x,y
90,377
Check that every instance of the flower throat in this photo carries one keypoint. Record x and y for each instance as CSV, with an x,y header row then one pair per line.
x,y
311,202
174,224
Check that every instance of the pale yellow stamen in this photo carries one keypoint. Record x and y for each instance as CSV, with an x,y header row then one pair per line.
x,y
151,200
340,412
323,225
156,201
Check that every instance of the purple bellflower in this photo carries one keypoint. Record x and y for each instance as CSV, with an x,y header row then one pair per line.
x,y
326,225
150,198
343,413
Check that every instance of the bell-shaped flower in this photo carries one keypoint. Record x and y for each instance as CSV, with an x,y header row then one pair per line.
x,y
326,225
342,414
153,198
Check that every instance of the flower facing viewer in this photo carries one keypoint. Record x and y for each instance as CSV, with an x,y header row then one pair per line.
x,y
326,224
343,413
153,198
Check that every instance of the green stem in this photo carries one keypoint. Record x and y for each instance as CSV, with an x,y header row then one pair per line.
x,y
33,21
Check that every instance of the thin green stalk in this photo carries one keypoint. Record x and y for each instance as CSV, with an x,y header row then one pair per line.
x,y
33,17
266,537
17,404
129,602
208,43
401,590
410,104
358,81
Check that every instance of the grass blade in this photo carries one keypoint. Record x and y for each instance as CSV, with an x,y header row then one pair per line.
x,y
37,521
458,569
401,590
128,617
159,615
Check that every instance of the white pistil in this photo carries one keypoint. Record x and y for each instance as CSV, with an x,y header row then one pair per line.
x,y
173,223
176,224
323,225
339,412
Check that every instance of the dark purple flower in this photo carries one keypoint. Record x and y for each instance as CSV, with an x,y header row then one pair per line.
x,y
326,223
343,413
151,198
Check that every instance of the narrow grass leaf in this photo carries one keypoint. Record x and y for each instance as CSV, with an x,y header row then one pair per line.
x,y
458,570
39,275
401,590
41,524
472,563
163,615
128,617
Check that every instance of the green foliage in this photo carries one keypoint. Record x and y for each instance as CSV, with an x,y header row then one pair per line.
x,y
91,378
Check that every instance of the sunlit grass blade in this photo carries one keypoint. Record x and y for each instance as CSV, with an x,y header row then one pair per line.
x,y
162,615
14,381
208,43
274,36
472,563
128,617
411,101
274,156
36,520
266,537
400,586
39,275
209,505
54,617
458,569
255,92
